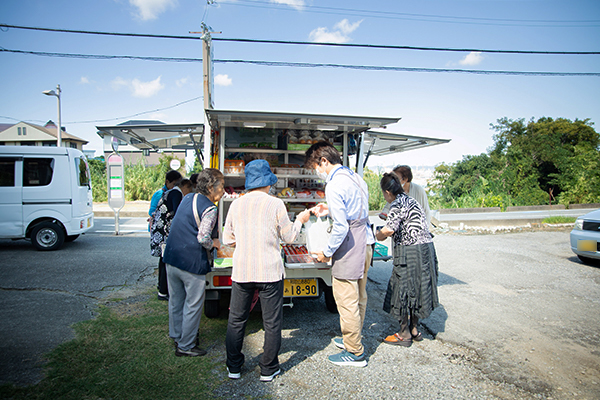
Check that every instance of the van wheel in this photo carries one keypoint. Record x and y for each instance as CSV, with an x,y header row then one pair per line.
x,y
330,300
211,308
70,238
47,236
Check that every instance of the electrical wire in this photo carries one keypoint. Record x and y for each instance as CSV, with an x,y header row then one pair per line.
x,y
381,46
116,118
307,65
416,17
374,46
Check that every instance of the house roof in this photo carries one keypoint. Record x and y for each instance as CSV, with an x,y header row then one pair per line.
x,y
51,132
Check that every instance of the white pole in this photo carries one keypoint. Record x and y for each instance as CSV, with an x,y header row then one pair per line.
x,y
59,131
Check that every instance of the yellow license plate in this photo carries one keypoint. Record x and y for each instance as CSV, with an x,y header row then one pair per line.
x,y
586,245
300,288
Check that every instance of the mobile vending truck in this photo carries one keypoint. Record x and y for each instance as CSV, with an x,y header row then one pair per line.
x,y
45,195
236,138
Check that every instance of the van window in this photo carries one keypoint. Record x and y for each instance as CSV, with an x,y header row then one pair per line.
x,y
83,177
37,171
7,172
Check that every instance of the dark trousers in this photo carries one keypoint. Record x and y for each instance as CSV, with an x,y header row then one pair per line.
x,y
163,287
271,303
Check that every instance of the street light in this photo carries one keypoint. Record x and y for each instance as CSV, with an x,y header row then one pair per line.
x,y
58,130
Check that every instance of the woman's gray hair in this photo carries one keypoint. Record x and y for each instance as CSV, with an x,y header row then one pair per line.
x,y
209,178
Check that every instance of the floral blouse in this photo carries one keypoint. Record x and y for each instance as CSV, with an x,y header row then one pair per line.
x,y
407,219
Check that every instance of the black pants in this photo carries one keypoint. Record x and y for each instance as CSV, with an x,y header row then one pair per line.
x,y
271,303
163,287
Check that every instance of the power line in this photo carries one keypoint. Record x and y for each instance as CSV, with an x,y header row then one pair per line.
x,y
116,118
373,46
417,17
308,65
101,56
381,46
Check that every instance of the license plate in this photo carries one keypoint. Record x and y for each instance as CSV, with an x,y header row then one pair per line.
x,y
89,222
586,245
300,287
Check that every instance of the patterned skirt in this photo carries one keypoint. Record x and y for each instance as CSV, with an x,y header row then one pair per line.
x,y
413,285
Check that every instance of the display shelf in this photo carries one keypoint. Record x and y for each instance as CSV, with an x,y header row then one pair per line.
x,y
266,151
285,200
283,176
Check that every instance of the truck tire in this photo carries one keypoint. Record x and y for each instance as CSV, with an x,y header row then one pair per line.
x,y
211,308
47,236
70,238
329,299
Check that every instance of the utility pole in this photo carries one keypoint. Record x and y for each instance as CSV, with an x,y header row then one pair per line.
x,y
208,84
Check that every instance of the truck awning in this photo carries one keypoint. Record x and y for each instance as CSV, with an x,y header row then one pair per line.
x,y
384,143
157,136
279,120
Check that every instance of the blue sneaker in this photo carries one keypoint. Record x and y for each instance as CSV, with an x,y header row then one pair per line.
x,y
348,359
339,343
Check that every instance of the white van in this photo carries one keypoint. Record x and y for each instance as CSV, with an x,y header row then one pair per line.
x,y
45,195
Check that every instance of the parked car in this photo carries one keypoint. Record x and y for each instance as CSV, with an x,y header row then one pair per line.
x,y
585,237
45,195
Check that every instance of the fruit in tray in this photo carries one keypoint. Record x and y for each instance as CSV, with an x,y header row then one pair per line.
x,y
287,193
319,194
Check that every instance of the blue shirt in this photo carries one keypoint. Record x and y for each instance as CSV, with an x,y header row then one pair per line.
x,y
346,202
155,198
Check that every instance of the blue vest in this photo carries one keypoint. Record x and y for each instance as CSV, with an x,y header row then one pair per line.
x,y
183,250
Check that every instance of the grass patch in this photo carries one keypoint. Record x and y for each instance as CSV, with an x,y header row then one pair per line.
x,y
117,356
559,219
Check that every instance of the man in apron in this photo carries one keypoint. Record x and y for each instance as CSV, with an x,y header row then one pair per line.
x,y
349,246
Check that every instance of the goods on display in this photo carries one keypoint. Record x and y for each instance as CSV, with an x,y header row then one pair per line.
x,y
297,253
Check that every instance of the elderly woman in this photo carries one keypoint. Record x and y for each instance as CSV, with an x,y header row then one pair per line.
x,y
186,255
412,289
257,223
160,227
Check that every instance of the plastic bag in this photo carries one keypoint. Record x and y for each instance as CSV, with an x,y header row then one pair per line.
x,y
317,234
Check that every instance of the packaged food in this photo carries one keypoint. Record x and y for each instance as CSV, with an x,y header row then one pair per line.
x,y
289,169
304,194
319,194
305,138
225,251
297,254
287,193
233,166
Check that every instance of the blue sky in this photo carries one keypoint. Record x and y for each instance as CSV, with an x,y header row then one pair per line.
x,y
456,106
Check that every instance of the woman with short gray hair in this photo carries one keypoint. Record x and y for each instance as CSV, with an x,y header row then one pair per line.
x,y
193,234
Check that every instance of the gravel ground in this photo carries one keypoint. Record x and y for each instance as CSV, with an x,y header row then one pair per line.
x,y
505,329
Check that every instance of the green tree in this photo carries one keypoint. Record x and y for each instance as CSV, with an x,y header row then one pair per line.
x,y
530,163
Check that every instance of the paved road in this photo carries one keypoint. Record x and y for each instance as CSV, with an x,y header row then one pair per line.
x,y
519,318
43,293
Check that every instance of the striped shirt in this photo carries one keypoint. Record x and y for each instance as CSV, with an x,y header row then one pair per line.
x,y
257,223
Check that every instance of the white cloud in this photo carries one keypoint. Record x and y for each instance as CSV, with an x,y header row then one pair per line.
x,y
223,80
473,58
182,82
297,4
150,9
137,87
84,80
339,35
347,27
